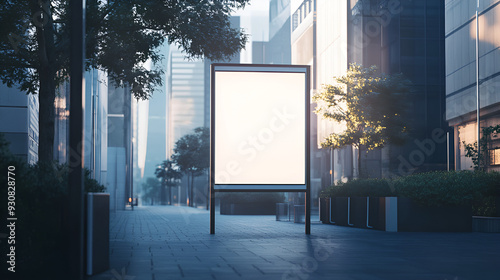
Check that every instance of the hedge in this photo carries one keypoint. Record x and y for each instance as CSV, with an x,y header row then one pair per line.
x,y
41,209
431,188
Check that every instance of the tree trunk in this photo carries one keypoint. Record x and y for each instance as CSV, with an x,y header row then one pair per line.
x,y
170,195
188,190
191,201
359,163
47,91
162,193
46,117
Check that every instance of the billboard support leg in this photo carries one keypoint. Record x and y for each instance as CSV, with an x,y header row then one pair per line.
x,y
212,209
308,211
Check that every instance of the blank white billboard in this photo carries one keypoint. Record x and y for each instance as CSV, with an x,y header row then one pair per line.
x,y
259,126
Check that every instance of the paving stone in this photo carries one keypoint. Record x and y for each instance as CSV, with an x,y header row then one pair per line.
x,y
167,242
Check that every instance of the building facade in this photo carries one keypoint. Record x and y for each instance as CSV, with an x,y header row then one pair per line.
x,y
405,37
185,105
19,115
461,94
398,37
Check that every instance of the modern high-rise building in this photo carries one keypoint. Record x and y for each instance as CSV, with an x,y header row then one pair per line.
x,y
405,37
396,36
120,146
185,96
96,124
19,125
279,49
461,94
185,104
156,147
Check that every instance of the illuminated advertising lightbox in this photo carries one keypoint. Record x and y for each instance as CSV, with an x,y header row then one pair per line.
x,y
259,127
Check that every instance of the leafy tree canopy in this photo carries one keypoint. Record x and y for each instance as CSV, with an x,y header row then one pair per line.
x,y
120,37
168,172
481,160
191,152
370,105
192,156
151,189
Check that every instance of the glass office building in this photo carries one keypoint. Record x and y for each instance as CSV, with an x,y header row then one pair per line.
x,y
461,75
397,36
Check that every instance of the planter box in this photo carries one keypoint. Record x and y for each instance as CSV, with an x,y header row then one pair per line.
x,y
394,214
486,224
282,212
414,217
352,211
247,208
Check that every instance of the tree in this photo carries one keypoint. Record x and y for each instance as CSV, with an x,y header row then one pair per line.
x,y
120,37
168,174
480,162
191,154
151,190
371,106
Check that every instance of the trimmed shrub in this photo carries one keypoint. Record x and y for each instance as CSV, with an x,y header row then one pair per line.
x,y
41,209
431,188
448,188
360,187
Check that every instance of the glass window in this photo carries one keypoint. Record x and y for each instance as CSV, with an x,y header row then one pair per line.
x,y
494,157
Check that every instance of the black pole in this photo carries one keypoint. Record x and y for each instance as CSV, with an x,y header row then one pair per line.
x,y
308,153
77,105
212,150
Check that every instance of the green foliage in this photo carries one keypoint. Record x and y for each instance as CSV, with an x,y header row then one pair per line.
x,y
91,185
371,106
252,197
192,151
359,187
168,173
480,162
192,156
121,36
446,188
151,190
41,208
432,188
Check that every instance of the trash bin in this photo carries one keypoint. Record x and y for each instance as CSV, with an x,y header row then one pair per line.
x,y
282,212
299,213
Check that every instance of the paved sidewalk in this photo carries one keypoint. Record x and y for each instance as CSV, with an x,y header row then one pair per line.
x,y
174,243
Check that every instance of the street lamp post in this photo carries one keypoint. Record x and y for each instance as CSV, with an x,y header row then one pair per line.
x,y
477,88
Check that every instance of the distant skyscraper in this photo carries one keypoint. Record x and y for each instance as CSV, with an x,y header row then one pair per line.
x,y
185,102
278,50
235,23
185,96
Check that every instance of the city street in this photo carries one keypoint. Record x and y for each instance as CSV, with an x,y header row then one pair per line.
x,y
174,243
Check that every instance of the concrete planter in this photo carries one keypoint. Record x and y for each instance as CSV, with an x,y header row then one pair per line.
x,y
414,217
359,212
248,208
394,214
486,224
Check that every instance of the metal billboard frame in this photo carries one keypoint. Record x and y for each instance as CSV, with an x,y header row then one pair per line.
x,y
272,68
